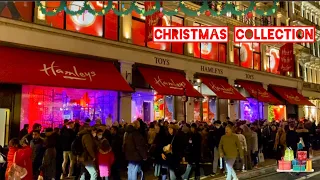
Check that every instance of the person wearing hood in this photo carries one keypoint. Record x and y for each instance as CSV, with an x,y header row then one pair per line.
x,y
135,149
48,167
88,157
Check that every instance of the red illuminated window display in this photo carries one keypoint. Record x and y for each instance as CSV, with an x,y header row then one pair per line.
x,y
111,23
273,60
17,10
247,55
139,33
211,51
85,23
57,20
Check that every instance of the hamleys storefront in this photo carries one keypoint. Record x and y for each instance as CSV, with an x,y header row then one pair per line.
x,y
46,88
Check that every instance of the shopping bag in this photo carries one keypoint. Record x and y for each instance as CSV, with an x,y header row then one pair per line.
x,y
16,172
302,155
309,165
301,144
261,157
40,177
288,155
284,165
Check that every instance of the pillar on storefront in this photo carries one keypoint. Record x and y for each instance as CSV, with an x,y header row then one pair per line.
x,y
230,49
190,102
231,105
188,47
300,108
126,98
126,24
265,105
264,57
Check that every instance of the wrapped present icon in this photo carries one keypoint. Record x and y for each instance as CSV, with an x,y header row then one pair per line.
x,y
302,155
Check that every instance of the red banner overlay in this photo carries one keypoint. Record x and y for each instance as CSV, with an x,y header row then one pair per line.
x,y
152,20
286,63
40,68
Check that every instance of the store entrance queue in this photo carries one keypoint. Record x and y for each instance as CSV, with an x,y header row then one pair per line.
x,y
257,98
292,99
160,94
47,88
217,92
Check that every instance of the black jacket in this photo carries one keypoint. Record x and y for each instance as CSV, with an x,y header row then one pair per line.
x,y
193,150
214,137
67,137
292,139
134,146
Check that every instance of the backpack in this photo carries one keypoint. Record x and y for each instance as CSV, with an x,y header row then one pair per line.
x,y
77,147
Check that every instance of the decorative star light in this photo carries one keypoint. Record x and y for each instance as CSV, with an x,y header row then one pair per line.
x,y
113,6
176,10
242,14
198,13
54,10
273,10
153,7
218,13
265,13
277,3
103,11
182,2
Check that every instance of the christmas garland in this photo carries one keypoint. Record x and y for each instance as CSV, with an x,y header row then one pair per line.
x,y
134,6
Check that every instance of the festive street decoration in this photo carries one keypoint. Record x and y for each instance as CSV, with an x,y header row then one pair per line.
x,y
109,7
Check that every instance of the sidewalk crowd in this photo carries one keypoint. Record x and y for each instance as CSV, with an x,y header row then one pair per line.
x,y
92,150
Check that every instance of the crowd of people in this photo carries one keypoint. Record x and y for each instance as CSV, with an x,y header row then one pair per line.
x,y
84,151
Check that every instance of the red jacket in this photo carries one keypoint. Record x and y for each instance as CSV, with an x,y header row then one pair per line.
x,y
23,159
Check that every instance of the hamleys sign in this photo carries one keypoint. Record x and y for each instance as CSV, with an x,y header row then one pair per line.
x,y
169,84
221,88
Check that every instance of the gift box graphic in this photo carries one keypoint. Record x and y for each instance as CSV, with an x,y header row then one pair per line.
x,y
302,155
300,168
284,165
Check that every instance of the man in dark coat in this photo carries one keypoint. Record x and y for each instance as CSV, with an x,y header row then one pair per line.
x,y
135,149
193,153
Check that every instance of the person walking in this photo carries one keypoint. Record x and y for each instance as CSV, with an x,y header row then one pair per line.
x,y
280,143
24,131
105,159
48,167
37,146
135,149
229,149
88,157
193,153
68,135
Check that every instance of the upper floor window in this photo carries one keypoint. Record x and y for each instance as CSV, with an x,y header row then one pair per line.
x,y
210,51
106,26
139,33
273,59
17,10
247,55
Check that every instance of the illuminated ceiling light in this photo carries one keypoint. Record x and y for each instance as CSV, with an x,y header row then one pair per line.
x,y
198,80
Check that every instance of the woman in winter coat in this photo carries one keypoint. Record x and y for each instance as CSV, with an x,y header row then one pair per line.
x,y
48,167
157,149
105,159
249,139
22,159
280,143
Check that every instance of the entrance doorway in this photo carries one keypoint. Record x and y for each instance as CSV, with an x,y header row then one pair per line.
x,y
146,111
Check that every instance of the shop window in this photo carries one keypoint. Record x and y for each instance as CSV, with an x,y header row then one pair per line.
x,y
139,32
50,105
149,106
85,23
276,113
273,59
247,55
207,107
210,51
17,10
56,21
251,109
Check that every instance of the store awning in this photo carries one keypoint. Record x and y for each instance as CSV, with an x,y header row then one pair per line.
x,y
221,88
257,91
291,95
168,82
22,66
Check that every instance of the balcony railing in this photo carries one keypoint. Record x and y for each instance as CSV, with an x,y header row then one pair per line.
x,y
316,4
298,17
255,21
